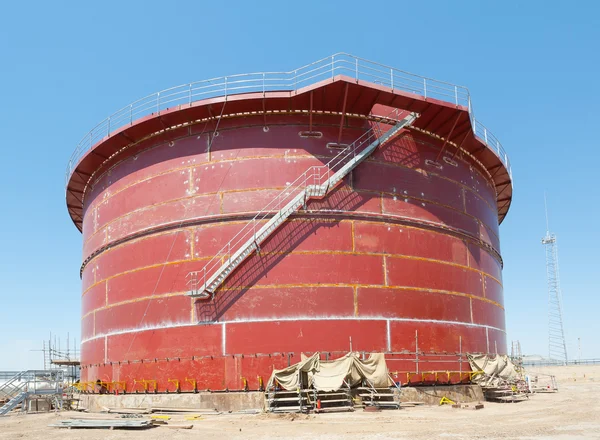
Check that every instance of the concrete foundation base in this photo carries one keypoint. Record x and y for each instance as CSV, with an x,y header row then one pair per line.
x,y
234,401
237,401
432,395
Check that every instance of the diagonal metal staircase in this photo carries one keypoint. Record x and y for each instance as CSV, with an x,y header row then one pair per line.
x,y
315,182
26,384
15,385
12,403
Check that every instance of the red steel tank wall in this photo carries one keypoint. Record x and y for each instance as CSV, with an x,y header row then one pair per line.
x,y
402,257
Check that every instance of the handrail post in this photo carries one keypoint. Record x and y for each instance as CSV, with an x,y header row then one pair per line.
x,y
108,129
485,135
190,90
332,68
263,84
456,94
356,69
424,88
158,103
130,114
392,78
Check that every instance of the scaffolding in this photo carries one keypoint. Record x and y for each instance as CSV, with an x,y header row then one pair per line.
x,y
66,358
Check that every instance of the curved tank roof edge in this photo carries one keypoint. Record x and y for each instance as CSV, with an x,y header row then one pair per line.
x,y
76,178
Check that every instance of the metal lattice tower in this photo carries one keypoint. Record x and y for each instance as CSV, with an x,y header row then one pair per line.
x,y
557,348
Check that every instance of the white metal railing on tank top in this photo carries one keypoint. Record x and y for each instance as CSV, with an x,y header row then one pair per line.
x,y
293,80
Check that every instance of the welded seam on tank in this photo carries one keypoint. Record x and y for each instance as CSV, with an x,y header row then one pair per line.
x,y
345,215
218,218
309,252
131,301
243,215
318,156
106,226
262,157
203,120
316,252
99,203
355,288
289,319
368,117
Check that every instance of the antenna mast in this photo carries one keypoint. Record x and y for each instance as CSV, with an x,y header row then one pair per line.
x,y
557,348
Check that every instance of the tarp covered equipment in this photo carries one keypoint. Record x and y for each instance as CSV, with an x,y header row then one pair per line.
x,y
496,369
330,375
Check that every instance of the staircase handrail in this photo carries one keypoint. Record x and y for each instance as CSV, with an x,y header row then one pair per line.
x,y
313,176
27,378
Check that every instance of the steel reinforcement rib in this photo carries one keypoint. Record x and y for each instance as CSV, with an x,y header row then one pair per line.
x,y
313,183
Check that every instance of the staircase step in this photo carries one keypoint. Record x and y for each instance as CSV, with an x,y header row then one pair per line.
x,y
286,409
375,395
335,409
376,389
282,391
13,403
349,159
331,394
335,401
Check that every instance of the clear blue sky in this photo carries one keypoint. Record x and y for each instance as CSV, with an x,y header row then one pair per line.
x,y
532,68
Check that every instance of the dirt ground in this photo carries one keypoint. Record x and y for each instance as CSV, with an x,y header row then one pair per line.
x,y
572,413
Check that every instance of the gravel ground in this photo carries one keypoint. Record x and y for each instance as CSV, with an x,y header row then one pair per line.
x,y
572,413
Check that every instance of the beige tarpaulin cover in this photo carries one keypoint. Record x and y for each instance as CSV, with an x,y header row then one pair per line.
x,y
496,369
288,378
330,375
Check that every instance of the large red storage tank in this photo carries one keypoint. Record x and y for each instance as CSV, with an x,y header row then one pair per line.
x,y
401,257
